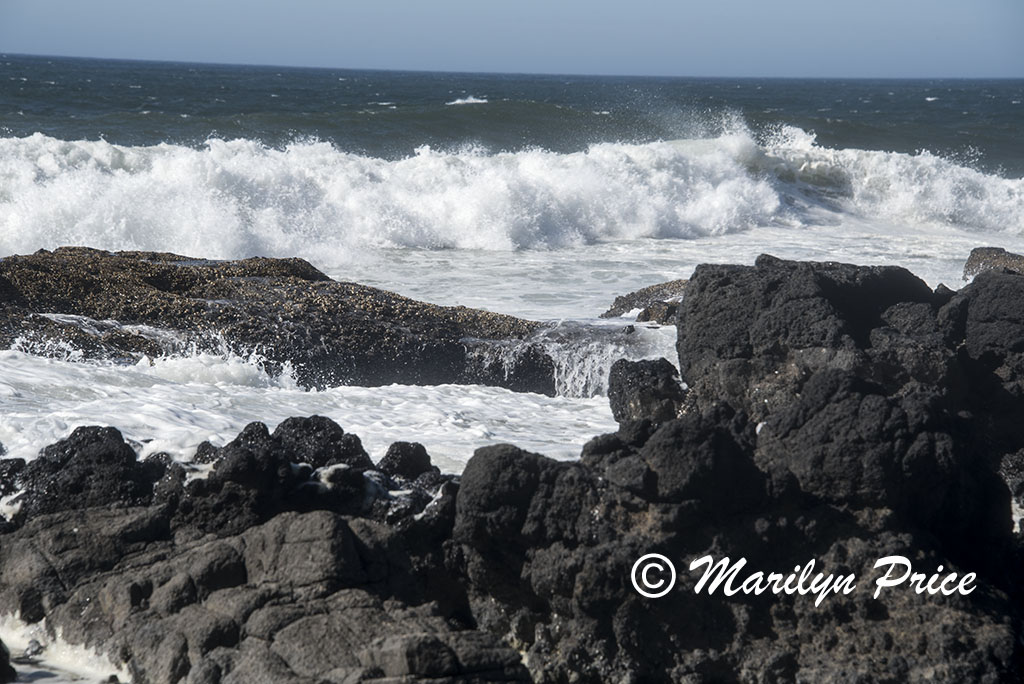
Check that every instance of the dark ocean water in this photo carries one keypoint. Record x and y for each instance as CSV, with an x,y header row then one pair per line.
x,y
390,114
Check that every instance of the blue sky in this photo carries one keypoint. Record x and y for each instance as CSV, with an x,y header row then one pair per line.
x,y
871,38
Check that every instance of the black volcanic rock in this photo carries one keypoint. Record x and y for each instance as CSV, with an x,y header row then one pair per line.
x,y
864,444
92,467
7,673
307,463
253,572
408,460
330,332
752,335
836,414
639,390
320,442
993,326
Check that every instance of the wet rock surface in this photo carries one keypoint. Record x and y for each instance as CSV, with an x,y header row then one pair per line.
x,y
992,259
835,414
128,304
657,302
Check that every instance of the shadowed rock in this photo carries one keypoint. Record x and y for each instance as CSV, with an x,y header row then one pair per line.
x,y
407,460
91,467
639,390
752,335
254,572
7,673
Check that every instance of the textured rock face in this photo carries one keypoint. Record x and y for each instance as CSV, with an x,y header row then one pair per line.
x,y
751,336
656,302
992,259
92,467
839,414
836,414
639,390
294,561
331,332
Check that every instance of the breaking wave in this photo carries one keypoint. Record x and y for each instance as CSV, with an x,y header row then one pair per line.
x,y
236,198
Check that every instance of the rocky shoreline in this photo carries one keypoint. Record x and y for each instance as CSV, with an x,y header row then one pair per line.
x,y
832,413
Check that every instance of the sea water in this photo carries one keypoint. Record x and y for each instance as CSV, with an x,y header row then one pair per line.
x,y
539,196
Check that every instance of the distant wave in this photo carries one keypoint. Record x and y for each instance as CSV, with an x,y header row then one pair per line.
x,y
467,100
239,197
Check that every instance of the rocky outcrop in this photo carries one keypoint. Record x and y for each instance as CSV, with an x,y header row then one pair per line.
x,y
657,303
295,560
129,304
992,259
835,415
751,336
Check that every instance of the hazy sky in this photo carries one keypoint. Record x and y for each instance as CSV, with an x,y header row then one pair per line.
x,y
657,37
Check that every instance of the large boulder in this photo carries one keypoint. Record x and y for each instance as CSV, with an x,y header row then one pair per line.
x,y
835,414
644,390
751,335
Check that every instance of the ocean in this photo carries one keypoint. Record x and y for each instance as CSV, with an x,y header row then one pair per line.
x,y
539,196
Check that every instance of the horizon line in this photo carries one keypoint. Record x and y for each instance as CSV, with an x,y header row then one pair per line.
x,y
507,73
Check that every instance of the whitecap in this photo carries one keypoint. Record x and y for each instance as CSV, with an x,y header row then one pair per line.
x,y
467,100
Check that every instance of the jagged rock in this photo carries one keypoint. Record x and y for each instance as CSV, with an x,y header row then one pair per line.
x,y
320,442
1012,470
752,335
993,325
863,445
92,467
639,390
303,596
657,300
330,332
992,259
836,413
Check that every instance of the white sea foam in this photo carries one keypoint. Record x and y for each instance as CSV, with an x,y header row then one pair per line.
x,y
60,661
467,100
239,198
173,405
902,189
